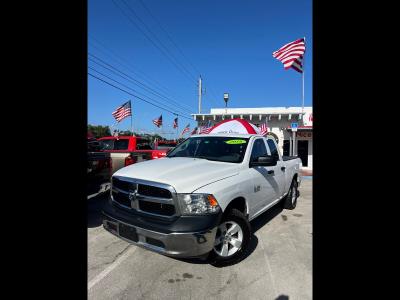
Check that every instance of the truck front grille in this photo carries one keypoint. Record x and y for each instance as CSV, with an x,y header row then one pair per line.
x,y
121,198
153,191
122,184
157,208
147,197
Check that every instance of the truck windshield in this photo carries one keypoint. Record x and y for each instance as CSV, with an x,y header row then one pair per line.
x,y
225,149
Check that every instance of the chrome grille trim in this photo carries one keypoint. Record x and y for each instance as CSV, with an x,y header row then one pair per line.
x,y
135,201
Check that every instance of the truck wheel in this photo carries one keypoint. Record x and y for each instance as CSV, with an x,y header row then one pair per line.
x,y
290,199
232,239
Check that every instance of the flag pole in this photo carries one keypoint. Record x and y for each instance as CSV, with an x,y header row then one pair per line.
x,y
302,75
131,117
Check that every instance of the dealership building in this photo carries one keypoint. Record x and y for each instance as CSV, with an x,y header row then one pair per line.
x,y
279,122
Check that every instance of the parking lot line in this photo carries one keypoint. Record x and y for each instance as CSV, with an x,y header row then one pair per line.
x,y
268,265
111,267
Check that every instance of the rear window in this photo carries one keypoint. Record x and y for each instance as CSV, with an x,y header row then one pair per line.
x,y
143,144
112,144
121,144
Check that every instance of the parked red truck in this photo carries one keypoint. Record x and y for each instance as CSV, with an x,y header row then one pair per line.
x,y
127,150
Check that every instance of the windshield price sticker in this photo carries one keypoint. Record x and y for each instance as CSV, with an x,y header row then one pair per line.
x,y
234,142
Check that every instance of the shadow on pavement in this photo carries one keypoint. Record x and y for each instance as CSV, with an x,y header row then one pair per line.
x,y
94,207
256,224
282,297
265,217
206,260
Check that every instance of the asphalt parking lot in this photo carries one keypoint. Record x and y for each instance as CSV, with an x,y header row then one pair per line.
x,y
279,265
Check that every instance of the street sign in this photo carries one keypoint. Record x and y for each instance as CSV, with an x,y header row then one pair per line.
x,y
294,126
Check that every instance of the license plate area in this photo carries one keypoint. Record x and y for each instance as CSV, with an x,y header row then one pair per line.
x,y
128,232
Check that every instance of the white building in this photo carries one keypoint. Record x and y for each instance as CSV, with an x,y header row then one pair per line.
x,y
279,120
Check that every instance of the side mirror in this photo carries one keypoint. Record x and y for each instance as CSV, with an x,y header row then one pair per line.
x,y
264,161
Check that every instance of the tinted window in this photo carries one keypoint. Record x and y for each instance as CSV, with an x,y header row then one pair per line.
x,y
273,149
107,144
121,144
94,145
143,144
259,149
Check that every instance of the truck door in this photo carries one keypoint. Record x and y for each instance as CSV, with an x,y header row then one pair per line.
x,y
279,173
265,187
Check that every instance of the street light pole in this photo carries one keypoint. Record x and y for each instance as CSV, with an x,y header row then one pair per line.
x,y
200,91
226,98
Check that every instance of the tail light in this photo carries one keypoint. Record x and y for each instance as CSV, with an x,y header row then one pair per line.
x,y
158,155
130,160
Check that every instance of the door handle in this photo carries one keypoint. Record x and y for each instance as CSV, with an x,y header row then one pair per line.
x,y
283,169
270,172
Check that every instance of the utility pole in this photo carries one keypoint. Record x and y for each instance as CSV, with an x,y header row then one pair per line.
x,y
200,92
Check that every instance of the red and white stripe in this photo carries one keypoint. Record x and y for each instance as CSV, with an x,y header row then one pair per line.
x,y
205,130
186,129
291,55
263,129
122,111
158,122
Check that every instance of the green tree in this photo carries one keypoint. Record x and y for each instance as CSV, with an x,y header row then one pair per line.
x,y
99,131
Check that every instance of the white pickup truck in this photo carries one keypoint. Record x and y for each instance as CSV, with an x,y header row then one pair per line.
x,y
199,199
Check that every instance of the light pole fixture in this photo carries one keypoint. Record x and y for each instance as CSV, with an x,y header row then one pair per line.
x,y
226,98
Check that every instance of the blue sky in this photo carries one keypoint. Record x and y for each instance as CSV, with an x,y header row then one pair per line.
x,y
229,42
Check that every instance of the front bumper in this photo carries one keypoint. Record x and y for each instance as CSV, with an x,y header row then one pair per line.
x,y
184,237
177,244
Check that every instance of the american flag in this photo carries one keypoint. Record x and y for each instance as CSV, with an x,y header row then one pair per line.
x,y
175,123
158,122
291,55
122,111
263,129
194,131
186,129
206,129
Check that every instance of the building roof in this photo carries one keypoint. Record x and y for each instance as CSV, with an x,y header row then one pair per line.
x,y
261,110
242,135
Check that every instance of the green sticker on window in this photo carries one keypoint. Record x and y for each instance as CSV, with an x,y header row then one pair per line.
x,y
234,142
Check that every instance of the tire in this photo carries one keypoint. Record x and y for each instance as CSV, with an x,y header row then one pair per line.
x,y
229,242
290,200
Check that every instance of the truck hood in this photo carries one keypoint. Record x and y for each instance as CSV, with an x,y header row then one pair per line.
x,y
183,173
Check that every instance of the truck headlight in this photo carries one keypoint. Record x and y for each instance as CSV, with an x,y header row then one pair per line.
x,y
198,204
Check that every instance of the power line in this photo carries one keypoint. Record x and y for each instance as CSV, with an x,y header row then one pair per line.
x,y
135,91
126,62
173,42
137,97
149,89
161,50
155,36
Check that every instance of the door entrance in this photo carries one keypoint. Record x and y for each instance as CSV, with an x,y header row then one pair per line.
x,y
286,147
302,151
